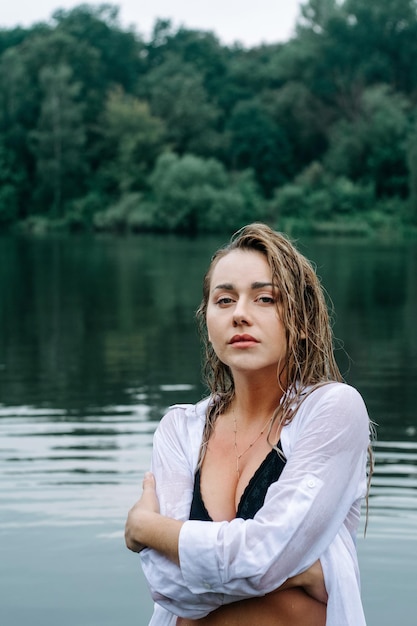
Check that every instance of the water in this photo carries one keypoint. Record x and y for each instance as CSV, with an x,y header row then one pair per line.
x,y
97,338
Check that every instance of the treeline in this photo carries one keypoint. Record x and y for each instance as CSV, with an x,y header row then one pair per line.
x,y
103,130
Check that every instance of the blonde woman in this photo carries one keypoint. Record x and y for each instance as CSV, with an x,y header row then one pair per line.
x,y
250,515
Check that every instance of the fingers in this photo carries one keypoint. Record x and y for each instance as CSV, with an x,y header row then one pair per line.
x,y
148,481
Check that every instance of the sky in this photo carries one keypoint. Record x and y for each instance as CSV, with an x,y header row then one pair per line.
x,y
248,22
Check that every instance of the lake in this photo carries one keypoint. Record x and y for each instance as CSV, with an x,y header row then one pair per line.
x,y
97,338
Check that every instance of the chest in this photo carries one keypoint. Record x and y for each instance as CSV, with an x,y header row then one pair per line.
x,y
227,473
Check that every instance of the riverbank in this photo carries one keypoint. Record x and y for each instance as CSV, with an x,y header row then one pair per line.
x,y
368,226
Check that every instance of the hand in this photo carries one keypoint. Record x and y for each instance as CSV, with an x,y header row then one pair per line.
x,y
148,503
312,581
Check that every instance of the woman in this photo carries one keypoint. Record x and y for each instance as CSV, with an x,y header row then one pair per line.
x,y
259,487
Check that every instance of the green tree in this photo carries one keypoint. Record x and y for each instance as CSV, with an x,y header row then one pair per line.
x,y
372,147
59,138
356,43
10,182
305,119
177,95
119,51
202,50
258,142
412,168
18,106
191,194
131,139
315,14
385,36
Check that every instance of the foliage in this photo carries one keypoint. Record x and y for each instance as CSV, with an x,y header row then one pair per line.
x,y
371,146
192,194
178,96
58,139
319,202
132,139
100,129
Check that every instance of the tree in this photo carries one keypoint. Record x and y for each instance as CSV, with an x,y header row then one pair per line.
x,y
132,139
372,147
384,34
202,50
191,194
412,168
10,181
119,51
18,107
305,119
177,95
59,138
357,43
258,142
315,14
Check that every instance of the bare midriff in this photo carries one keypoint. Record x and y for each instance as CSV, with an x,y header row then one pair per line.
x,y
290,607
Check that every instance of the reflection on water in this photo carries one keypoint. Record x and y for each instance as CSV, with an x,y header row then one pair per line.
x,y
97,338
58,469
394,490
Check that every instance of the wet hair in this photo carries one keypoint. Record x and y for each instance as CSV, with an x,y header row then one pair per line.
x,y
304,312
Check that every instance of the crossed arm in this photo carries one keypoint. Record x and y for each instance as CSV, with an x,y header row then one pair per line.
x,y
296,525
145,527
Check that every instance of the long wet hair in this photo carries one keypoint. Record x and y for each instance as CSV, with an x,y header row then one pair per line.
x,y
302,307
304,312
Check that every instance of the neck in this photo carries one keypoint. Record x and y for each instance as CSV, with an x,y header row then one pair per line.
x,y
255,400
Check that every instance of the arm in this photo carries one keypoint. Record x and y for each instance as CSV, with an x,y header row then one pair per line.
x,y
301,516
175,452
162,533
304,510
146,528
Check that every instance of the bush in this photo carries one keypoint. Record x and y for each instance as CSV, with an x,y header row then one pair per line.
x,y
116,217
190,194
318,196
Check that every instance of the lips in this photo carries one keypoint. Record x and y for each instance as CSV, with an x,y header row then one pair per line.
x,y
243,339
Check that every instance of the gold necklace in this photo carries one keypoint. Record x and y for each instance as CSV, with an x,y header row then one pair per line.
x,y
239,456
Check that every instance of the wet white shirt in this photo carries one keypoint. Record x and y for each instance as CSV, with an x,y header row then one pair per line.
x,y
311,512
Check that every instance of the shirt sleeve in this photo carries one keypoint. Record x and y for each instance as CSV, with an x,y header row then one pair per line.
x,y
174,456
325,475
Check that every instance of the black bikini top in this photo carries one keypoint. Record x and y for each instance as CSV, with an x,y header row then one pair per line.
x,y
254,495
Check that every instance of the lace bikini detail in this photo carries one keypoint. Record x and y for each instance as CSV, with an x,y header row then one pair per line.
x,y
254,495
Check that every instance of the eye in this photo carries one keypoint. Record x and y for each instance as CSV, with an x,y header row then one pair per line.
x,y
224,301
266,299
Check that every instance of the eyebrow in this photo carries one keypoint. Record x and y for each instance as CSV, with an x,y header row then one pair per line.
x,y
254,286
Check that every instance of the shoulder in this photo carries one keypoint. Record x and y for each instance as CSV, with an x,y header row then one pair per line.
x,y
333,394
180,431
183,419
333,406
183,413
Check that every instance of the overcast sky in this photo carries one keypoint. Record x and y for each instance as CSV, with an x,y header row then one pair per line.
x,y
249,22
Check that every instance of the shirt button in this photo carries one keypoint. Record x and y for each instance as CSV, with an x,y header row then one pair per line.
x,y
207,585
311,483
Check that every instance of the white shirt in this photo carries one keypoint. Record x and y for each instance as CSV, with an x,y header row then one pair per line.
x,y
311,512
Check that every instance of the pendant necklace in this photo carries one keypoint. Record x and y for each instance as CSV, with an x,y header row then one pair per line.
x,y
239,456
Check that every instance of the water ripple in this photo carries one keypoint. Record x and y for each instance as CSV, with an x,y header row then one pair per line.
x,y
58,468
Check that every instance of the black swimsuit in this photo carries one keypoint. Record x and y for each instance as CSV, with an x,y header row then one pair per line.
x,y
254,495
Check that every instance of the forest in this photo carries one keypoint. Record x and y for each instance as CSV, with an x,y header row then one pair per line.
x,y
102,130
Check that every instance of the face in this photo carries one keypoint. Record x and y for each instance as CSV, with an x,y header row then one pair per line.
x,y
242,318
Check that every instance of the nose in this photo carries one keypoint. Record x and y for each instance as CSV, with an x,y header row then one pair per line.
x,y
238,320
240,315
